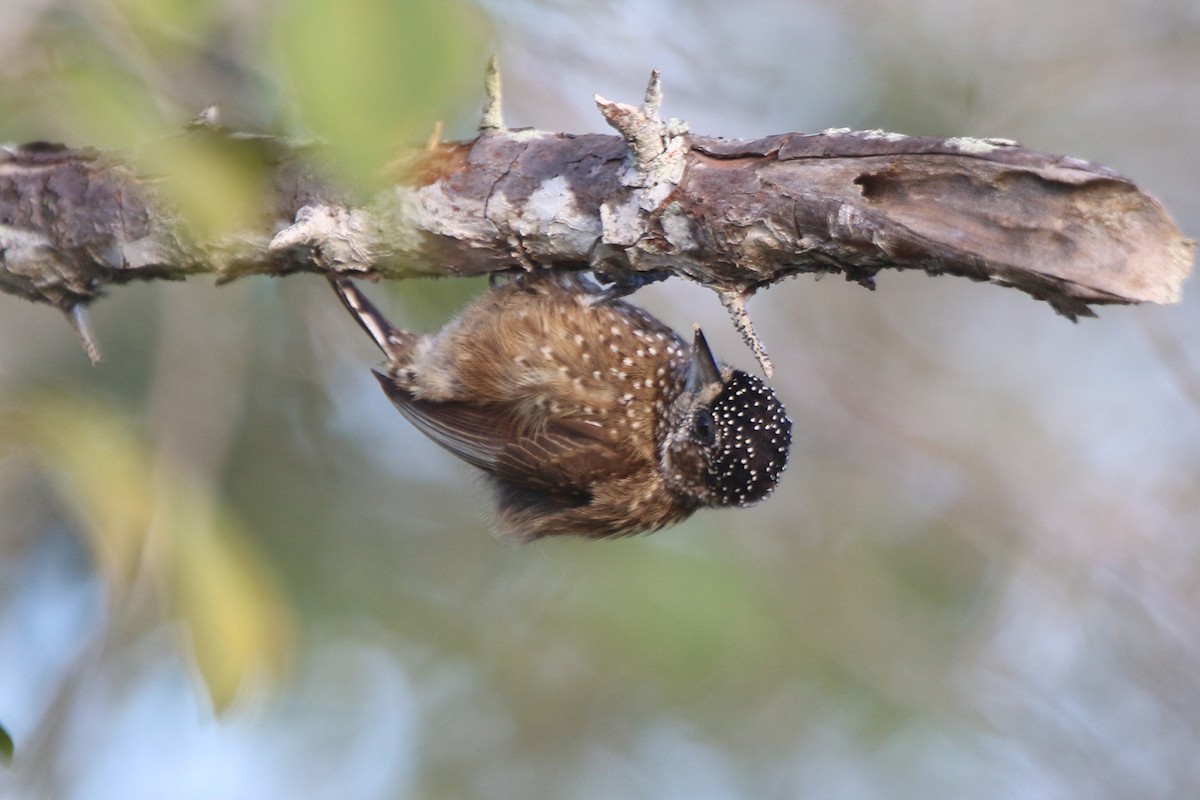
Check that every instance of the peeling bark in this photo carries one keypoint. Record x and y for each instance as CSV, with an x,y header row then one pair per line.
x,y
654,201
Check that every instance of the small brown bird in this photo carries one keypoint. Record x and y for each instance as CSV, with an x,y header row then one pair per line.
x,y
588,415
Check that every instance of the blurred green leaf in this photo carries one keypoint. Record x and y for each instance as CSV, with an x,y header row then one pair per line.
x,y
219,186
87,93
146,520
168,25
6,746
371,76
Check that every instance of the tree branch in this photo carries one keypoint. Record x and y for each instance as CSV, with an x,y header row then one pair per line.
x,y
654,201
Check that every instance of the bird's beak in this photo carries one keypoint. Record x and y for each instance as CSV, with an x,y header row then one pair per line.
x,y
703,372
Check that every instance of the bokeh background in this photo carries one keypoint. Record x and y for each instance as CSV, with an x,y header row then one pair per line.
x,y
229,569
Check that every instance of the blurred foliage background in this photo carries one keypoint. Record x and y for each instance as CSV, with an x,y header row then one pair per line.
x,y
229,569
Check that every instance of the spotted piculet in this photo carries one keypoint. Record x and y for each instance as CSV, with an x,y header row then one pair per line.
x,y
588,415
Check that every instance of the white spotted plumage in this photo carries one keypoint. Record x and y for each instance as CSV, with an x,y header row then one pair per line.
x,y
591,418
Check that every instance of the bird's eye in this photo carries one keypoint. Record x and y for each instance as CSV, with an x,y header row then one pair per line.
x,y
702,424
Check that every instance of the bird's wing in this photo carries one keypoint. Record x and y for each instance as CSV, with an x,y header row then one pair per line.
x,y
562,457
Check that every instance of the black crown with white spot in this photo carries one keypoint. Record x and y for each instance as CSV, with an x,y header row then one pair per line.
x,y
752,441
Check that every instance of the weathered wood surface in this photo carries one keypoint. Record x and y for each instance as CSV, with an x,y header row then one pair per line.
x,y
656,200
